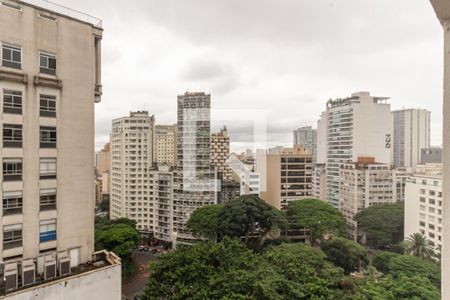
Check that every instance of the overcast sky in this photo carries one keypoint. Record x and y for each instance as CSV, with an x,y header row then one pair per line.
x,y
284,56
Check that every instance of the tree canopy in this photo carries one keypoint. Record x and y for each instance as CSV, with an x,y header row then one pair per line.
x,y
248,216
204,221
383,225
410,266
318,216
229,270
120,239
119,236
346,254
400,288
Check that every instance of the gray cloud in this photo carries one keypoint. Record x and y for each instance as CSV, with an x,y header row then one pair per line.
x,y
285,56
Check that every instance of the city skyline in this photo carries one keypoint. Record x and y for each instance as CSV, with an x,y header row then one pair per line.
x,y
285,54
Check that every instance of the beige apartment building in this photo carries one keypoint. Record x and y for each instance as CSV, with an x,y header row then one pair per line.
x,y
103,163
220,150
131,159
285,175
48,92
363,183
166,145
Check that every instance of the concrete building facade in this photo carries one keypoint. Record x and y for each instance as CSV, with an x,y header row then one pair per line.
x,y
244,172
132,141
307,137
194,184
285,176
103,163
359,125
48,92
166,145
220,150
319,182
322,141
363,184
424,207
411,133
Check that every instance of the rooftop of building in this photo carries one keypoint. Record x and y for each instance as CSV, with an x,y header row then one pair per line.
x,y
56,9
100,260
355,98
193,94
222,133
364,162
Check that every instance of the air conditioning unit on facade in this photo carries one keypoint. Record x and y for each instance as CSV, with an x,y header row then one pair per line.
x,y
63,264
28,272
49,268
10,277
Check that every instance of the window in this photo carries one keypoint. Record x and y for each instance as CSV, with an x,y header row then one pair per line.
x,y
11,57
47,137
47,168
12,169
47,63
47,198
12,102
12,136
47,230
431,201
12,236
47,106
12,203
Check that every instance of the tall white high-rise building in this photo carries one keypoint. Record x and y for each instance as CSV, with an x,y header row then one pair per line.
x,y
194,184
50,80
411,134
356,126
132,156
307,137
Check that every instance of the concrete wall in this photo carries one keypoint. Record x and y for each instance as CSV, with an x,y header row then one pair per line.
x,y
99,284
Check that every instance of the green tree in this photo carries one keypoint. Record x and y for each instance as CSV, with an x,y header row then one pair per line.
x,y
121,239
382,259
304,271
204,221
413,266
229,270
287,256
248,216
345,253
318,216
129,222
383,225
417,245
400,288
208,270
